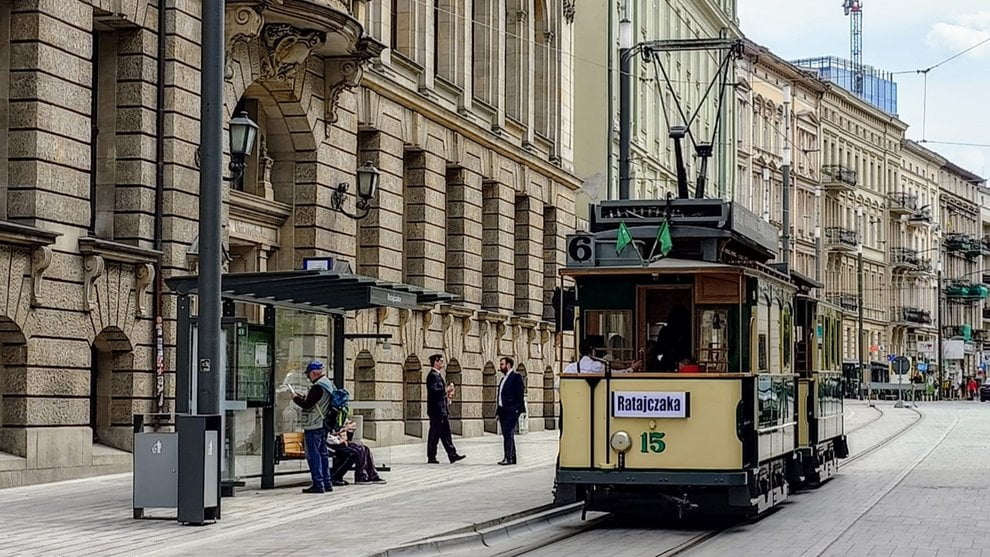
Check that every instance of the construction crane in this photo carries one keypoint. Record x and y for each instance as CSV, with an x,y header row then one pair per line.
x,y
854,9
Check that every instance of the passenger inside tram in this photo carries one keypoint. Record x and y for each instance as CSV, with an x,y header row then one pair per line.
x,y
674,340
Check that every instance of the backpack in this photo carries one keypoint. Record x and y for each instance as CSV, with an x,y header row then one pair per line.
x,y
339,412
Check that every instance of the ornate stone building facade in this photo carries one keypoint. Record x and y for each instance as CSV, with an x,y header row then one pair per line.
x,y
464,107
861,158
761,136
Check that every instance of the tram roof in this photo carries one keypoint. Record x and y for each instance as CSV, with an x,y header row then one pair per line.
x,y
671,265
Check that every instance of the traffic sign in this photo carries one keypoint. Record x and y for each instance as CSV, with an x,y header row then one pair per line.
x,y
891,357
901,365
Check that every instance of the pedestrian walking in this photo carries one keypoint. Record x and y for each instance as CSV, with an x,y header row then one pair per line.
x,y
509,406
973,388
316,405
438,395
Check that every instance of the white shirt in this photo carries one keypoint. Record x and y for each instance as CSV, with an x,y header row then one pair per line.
x,y
502,382
587,365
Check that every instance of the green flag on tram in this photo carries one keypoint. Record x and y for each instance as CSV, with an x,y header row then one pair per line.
x,y
663,237
622,239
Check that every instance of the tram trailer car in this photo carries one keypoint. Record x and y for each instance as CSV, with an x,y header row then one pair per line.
x,y
757,410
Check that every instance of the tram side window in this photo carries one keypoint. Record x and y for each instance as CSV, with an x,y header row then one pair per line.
x,y
614,327
776,400
786,336
773,328
762,326
829,396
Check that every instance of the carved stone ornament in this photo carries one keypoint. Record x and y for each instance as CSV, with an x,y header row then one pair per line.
x,y
286,49
569,10
143,275
93,267
242,24
341,74
41,258
381,314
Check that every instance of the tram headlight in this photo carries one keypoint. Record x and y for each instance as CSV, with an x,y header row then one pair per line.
x,y
620,442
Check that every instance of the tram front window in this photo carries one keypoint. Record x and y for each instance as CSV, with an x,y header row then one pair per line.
x,y
615,328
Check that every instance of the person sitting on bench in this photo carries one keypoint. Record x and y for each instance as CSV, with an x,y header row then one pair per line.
x,y
348,453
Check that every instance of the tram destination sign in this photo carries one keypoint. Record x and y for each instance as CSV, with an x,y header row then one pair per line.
x,y
627,404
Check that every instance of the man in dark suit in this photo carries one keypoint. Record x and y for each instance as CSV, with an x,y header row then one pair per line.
x,y
438,395
510,406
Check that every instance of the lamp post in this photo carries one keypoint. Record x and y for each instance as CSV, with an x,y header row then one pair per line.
x,y
243,132
367,186
859,304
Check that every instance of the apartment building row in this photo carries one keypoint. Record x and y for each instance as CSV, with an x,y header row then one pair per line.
x,y
869,205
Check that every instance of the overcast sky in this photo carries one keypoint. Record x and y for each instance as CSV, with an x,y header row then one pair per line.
x,y
900,35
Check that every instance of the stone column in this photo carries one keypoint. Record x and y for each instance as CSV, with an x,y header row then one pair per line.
x,y
529,257
464,235
49,137
379,237
134,221
497,267
425,205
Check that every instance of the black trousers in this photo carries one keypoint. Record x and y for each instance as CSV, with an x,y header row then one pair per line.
x,y
509,421
439,431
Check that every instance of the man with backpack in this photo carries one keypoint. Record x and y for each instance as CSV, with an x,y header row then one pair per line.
x,y
316,406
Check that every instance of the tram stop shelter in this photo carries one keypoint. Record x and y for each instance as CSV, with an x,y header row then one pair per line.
x,y
274,324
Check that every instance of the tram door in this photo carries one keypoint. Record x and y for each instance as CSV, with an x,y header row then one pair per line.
x,y
665,331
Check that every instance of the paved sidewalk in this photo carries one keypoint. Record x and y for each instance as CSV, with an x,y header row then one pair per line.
x,y
93,516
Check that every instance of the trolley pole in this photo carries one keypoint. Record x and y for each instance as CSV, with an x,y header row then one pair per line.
x,y
938,319
786,181
625,101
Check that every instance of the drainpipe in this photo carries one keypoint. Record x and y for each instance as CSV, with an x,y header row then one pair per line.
x,y
157,325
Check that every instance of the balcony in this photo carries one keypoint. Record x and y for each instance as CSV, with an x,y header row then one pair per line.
x,y
848,302
963,244
841,239
901,203
905,258
964,332
922,217
981,335
909,314
836,177
959,292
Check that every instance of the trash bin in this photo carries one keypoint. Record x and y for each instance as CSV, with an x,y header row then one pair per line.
x,y
156,463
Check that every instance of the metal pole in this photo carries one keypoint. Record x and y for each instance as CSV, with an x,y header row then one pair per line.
x,y
938,318
610,114
625,102
210,200
786,182
818,233
869,378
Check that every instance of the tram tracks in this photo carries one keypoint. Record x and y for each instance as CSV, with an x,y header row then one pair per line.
x,y
684,541
703,537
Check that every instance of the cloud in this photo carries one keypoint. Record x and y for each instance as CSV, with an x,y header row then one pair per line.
x,y
962,33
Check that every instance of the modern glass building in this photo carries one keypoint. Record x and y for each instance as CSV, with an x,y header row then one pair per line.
x,y
878,87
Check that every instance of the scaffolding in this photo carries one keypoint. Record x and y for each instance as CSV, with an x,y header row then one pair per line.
x,y
877,86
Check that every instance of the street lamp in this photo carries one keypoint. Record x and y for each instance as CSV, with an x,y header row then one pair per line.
x,y
367,185
243,131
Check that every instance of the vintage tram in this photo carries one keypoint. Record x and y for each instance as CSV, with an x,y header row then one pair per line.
x,y
738,399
